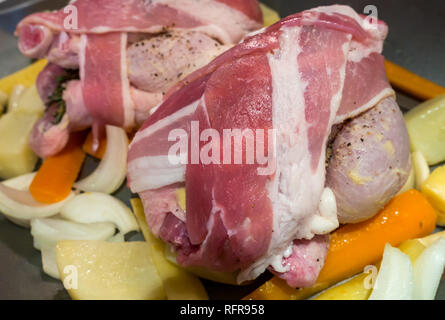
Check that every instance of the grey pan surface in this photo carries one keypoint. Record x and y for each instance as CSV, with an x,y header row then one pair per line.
x,y
416,41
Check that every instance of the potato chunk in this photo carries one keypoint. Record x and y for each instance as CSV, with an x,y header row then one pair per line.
x,y
100,270
434,189
3,101
26,76
24,109
30,102
427,130
16,156
178,283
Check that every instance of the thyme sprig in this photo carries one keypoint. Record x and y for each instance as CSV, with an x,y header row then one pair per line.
x,y
56,98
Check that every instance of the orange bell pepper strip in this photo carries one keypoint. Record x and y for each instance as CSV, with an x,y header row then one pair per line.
x,y
355,246
55,178
88,146
100,152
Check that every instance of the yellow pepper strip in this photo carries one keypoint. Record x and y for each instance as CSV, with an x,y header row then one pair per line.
x,y
25,77
353,289
270,16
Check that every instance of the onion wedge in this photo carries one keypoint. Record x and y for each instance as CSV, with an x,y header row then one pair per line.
x,y
428,270
18,205
47,232
95,207
20,182
395,278
110,174
49,262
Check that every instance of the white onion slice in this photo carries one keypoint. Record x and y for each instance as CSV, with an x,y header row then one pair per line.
x,y
427,241
428,270
395,278
21,182
94,207
18,205
110,174
19,222
49,262
47,232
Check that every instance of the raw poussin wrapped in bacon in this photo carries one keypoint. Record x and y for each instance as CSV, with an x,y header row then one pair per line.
x,y
310,96
111,61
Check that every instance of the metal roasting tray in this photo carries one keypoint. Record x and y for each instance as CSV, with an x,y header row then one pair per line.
x,y
416,41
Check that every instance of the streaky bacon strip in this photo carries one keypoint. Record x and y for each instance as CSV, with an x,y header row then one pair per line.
x,y
177,112
239,188
301,76
365,85
105,84
103,16
268,40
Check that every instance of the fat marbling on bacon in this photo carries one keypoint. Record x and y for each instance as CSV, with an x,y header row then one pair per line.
x,y
301,77
128,54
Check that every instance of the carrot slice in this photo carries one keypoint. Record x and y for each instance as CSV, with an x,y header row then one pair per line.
x,y
355,246
88,146
100,153
411,83
55,178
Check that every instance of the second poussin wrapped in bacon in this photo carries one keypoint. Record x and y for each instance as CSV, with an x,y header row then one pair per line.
x,y
128,55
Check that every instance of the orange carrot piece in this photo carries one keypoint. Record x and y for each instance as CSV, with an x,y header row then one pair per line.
x,y
411,83
100,153
88,146
55,178
131,135
354,246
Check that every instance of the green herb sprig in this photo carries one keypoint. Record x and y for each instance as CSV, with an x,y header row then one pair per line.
x,y
56,98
